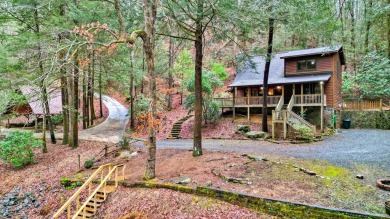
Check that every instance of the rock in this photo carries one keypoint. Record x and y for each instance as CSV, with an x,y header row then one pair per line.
x,y
254,134
256,157
208,183
19,208
359,176
181,180
128,154
243,128
26,201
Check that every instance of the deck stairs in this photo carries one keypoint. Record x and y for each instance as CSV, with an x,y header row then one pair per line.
x,y
77,207
283,114
176,129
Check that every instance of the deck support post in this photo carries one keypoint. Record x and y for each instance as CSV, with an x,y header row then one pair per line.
x,y
301,99
36,124
322,105
234,103
284,124
248,101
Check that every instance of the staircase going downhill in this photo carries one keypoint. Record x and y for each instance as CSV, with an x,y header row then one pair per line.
x,y
95,195
294,119
176,129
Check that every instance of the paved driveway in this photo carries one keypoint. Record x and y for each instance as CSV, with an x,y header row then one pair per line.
x,y
369,147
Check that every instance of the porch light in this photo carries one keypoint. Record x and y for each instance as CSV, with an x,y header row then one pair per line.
x,y
321,82
261,88
278,87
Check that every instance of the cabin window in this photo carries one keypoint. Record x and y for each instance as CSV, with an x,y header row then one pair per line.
x,y
306,64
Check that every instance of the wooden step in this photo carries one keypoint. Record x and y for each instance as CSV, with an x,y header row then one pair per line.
x,y
86,214
100,195
107,189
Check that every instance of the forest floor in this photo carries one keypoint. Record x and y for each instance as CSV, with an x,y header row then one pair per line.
x,y
35,191
274,177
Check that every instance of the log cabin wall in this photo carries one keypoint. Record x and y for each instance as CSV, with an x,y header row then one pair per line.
x,y
337,79
324,65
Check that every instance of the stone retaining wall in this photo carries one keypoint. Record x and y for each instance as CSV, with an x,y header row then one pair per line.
x,y
368,119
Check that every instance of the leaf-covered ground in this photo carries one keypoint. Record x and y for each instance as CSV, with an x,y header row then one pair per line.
x,y
276,178
279,177
163,203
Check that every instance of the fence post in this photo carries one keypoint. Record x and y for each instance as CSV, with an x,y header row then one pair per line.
x,y
380,104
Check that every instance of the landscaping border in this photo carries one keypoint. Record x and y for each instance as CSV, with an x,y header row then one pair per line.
x,y
276,207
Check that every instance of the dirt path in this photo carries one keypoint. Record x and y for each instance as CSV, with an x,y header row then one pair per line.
x,y
112,128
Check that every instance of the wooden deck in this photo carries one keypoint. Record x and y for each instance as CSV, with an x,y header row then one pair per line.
x,y
272,101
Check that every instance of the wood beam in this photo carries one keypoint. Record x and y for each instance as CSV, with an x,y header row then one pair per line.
x,y
322,105
301,99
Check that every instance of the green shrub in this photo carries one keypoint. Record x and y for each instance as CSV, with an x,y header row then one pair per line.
x,y
124,142
89,163
17,148
219,70
303,132
57,119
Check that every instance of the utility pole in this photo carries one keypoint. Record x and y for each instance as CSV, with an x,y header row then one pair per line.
x,y
266,73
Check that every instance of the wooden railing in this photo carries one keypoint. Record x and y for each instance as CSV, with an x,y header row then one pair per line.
x,y
278,109
243,101
363,105
291,103
73,203
224,102
294,119
308,99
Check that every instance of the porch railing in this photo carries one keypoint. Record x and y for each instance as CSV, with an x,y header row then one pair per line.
x,y
308,99
243,101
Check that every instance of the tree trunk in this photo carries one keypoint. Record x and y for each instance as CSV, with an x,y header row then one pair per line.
x,y
367,14
150,10
75,113
170,78
65,105
388,32
44,147
100,89
197,148
85,105
92,90
132,125
45,101
353,41
264,122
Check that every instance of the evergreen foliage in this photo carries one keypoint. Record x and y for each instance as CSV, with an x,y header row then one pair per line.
x,y
17,148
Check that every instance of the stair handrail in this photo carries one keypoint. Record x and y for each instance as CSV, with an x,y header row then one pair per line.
x,y
77,193
301,120
280,104
103,182
291,103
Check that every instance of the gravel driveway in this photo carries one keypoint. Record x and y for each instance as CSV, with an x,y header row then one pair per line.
x,y
348,147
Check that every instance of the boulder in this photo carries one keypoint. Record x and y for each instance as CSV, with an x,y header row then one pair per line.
x,y
255,134
181,180
243,128
256,157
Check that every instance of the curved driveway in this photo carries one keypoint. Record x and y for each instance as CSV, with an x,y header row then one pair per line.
x,y
113,128
348,147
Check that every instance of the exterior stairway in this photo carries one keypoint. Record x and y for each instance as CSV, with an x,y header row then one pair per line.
x,y
176,129
77,207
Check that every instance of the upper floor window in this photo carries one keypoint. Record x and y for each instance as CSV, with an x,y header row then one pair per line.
x,y
306,64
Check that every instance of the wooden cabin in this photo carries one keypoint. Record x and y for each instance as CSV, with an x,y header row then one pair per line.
x,y
32,105
301,78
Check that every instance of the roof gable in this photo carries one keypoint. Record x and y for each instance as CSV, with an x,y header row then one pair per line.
x,y
252,71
